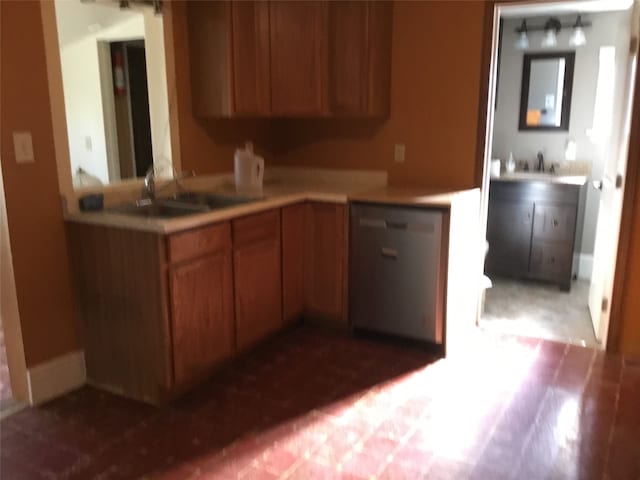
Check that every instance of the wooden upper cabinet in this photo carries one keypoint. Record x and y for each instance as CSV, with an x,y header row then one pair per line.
x,y
360,58
298,57
325,260
229,56
290,58
209,25
202,315
251,66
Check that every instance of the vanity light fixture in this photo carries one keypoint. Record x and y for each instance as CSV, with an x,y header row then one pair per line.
x,y
523,40
551,30
578,37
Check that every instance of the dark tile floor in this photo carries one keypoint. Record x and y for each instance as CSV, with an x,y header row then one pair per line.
x,y
314,405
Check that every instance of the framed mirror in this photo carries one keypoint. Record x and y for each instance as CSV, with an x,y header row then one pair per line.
x,y
547,80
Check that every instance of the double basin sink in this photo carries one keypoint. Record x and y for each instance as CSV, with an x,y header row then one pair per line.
x,y
181,204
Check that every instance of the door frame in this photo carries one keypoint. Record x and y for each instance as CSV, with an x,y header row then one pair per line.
x,y
108,109
488,75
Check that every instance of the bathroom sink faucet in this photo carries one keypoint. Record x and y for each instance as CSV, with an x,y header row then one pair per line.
x,y
540,167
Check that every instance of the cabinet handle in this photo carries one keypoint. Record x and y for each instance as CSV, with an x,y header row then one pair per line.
x,y
389,253
555,222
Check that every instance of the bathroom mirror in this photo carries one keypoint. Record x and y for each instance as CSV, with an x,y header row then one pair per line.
x,y
547,80
112,62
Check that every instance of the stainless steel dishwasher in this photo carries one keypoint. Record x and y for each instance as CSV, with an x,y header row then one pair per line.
x,y
394,271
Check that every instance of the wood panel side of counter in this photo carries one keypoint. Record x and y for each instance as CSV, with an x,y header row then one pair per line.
x,y
465,257
122,291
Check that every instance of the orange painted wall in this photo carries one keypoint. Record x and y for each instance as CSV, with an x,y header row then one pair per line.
x,y
436,62
36,228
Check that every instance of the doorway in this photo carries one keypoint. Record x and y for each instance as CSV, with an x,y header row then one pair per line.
x,y
125,79
557,139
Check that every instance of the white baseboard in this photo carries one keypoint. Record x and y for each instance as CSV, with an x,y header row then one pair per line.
x,y
56,377
585,266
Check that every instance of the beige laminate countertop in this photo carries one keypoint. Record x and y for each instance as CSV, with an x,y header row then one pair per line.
x,y
412,196
274,196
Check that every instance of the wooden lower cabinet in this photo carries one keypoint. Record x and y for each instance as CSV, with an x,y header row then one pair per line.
x,y
293,259
160,312
201,315
325,261
257,277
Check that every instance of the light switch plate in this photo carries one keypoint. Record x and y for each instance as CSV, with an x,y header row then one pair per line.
x,y
398,152
23,147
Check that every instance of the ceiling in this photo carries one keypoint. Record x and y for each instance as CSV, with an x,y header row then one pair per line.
x,y
78,19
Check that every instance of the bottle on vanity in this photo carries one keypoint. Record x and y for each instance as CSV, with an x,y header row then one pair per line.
x,y
510,166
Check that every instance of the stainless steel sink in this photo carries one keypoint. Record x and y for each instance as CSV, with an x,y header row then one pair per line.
x,y
212,201
158,209
181,204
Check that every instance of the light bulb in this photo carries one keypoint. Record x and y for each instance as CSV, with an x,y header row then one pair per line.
x,y
578,37
549,39
523,41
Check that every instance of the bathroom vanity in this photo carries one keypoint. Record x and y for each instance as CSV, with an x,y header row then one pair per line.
x,y
535,226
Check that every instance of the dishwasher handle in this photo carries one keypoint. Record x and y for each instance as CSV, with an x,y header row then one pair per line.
x,y
390,253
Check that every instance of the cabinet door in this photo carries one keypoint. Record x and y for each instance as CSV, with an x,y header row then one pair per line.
x,y
258,292
348,59
509,235
209,57
359,57
298,57
552,261
554,222
250,59
325,265
202,315
293,251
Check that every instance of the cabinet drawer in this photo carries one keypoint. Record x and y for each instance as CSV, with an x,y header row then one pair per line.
x,y
193,243
551,260
554,222
256,228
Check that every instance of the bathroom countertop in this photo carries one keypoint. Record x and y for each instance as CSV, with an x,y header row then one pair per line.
x,y
541,177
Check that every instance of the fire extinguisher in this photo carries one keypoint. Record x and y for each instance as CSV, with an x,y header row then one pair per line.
x,y
118,73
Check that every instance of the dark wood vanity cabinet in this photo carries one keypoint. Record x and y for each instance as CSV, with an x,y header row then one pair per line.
x,y
533,231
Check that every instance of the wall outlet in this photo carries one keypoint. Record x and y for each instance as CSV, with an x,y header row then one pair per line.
x,y
88,144
398,152
23,147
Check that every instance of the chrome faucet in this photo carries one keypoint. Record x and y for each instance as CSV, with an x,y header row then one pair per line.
x,y
150,185
540,167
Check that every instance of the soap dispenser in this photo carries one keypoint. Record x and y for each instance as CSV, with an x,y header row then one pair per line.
x,y
511,163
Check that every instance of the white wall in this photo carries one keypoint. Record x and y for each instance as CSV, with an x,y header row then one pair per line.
x,y
608,29
158,97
